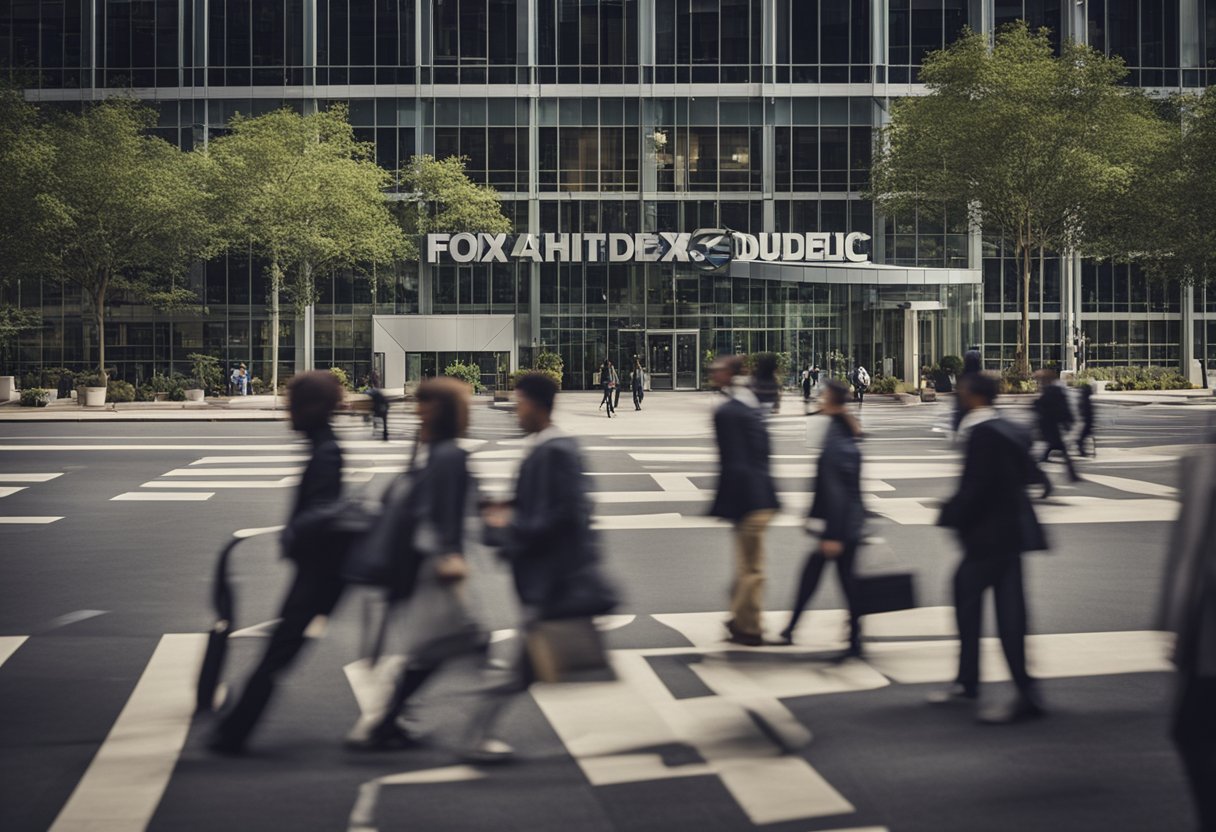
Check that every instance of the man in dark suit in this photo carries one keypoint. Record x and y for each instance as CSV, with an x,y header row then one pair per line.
x,y
838,506
1055,418
546,536
995,523
312,396
746,496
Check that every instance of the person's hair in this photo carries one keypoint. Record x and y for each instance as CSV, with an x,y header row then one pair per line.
x,y
766,366
836,390
450,398
312,397
982,385
734,363
537,388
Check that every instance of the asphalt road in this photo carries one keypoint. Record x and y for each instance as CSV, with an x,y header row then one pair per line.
x,y
94,675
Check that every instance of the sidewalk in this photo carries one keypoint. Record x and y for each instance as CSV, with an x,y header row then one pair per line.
x,y
250,409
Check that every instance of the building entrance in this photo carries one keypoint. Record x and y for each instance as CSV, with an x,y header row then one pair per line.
x,y
674,359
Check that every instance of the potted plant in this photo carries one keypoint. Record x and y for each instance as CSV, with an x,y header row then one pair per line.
x,y
91,391
36,397
206,377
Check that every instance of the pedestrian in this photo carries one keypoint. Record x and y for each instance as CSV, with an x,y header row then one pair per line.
x,y
379,411
860,380
546,536
814,376
638,383
1054,419
746,496
1188,611
426,600
838,507
1085,410
234,381
806,386
609,381
764,383
995,523
244,381
312,398
973,362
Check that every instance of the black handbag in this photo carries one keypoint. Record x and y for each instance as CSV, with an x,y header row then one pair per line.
x,y
884,593
582,593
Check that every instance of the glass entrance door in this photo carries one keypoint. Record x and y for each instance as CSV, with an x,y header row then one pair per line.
x,y
674,363
687,364
662,360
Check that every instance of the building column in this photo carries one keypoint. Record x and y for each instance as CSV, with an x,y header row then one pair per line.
x,y
533,269
1187,334
912,347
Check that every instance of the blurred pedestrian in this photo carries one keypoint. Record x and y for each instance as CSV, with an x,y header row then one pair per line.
x,y
764,383
379,410
973,362
1189,612
1085,410
746,496
638,383
995,522
814,376
860,379
1055,419
609,381
427,600
546,536
806,386
838,507
244,380
234,381
317,585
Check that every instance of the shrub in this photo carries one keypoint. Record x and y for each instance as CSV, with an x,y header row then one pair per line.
x,y
951,364
551,363
556,376
885,384
120,391
89,379
1013,381
35,397
1136,378
258,386
341,376
468,373
206,373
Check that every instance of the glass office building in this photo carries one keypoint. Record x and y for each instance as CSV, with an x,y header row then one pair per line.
x,y
606,116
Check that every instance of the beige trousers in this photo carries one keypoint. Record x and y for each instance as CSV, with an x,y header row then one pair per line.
x,y
747,595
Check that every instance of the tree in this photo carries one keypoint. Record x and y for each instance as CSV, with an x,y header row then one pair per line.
x,y
121,211
442,198
307,197
1031,145
1168,228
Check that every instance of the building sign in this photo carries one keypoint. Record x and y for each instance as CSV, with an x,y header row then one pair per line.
x,y
709,249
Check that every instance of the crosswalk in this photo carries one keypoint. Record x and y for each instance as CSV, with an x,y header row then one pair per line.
x,y
15,482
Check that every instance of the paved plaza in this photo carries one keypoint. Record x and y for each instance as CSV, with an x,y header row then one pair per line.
x,y
109,532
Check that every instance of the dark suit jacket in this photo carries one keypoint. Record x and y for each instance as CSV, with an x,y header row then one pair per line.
x,y
744,483
550,535
320,484
990,510
838,485
1054,413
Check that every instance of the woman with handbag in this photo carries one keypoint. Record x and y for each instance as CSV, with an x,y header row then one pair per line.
x,y
426,588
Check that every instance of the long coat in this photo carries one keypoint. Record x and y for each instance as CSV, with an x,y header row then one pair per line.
x,y
838,485
744,484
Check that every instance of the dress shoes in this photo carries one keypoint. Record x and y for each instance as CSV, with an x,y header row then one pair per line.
x,y
488,752
956,694
737,636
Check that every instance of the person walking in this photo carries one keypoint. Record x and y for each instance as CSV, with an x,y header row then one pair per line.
x,y
317,585
764,383
860,380
1085,410
609,380
838,506
995,523
746,496
1055,419
244,380
546,536
427,601
234,381
638,383
814,376
973,362
806,386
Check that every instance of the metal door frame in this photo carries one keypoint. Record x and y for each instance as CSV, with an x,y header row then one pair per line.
x,y
675,362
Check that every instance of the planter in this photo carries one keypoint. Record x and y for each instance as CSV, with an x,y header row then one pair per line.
x,y
160,397
8,388
195,395
94,396
928,395
1099,386
502,395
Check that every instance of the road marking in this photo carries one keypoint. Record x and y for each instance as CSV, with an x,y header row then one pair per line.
x,y
73,618
164,497
6,491
28,477
1132,486
124,782
285,482
34,521
9,645
235,472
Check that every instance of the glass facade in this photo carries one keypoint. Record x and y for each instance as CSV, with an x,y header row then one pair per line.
x,y
601,116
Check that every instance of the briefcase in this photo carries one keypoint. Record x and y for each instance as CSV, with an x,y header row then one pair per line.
x,y
885,593
568,650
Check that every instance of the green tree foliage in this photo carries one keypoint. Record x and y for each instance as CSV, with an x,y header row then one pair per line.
x,y
307,197
470,374
1168,227
206,372
118,211
1031,145
442,198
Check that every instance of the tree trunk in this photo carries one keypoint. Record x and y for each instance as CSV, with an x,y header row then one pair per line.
x,y
99,309
274,327
1023,359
